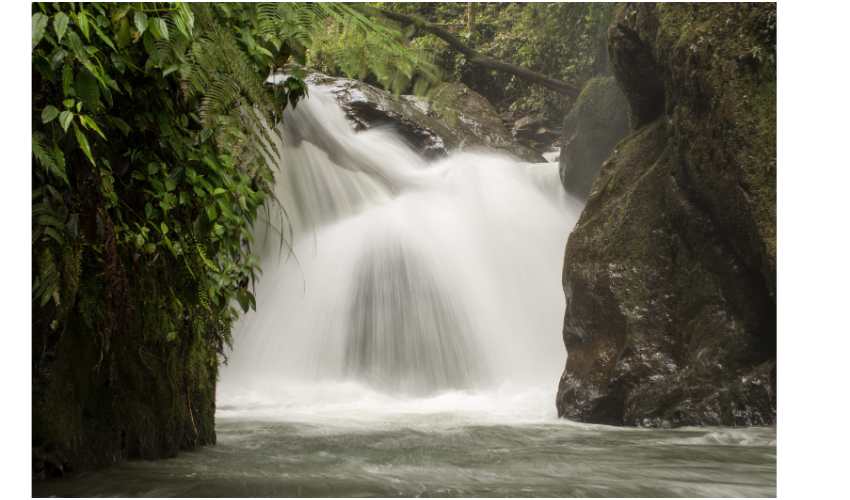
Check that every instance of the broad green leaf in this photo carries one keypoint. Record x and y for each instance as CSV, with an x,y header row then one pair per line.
x,y
39,23
89,123
60,24
180,23
140,20
163,227
68,80
120,13
48,114
123,34
184,12
244,302
65,118
158,28
84,144
87,89
264,51
57,59
83,23
102,36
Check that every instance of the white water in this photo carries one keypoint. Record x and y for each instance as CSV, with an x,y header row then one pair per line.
x,y
415,288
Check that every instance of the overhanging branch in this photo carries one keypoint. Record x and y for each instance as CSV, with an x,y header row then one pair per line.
x,y
472,55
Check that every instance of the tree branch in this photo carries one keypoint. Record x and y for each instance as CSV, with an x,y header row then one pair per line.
x,y
472,55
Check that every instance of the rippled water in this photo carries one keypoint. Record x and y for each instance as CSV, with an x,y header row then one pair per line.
x,y
488,445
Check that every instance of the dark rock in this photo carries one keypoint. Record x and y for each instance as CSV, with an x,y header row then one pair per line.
x,y
145,398
473,119
451,117
669,274
367,107
630,49
598,120
535,132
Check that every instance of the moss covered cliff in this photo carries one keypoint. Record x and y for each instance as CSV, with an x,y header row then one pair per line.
x,y
670,272
146,398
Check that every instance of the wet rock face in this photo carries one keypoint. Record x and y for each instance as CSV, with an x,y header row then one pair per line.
x,y
535,131
630,47
453,116
598,120
669,274
474,119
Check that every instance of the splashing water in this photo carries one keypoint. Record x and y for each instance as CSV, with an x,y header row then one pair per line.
x,y
406,279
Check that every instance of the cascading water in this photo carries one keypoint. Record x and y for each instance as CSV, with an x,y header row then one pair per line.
x,y
408,344
405,279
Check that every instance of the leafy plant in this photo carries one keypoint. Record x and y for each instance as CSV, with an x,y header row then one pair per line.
x,y
154,150
563,40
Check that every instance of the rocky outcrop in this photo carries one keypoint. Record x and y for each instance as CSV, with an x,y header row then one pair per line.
x,y
670,273
452,116
473,119
534,131
598,120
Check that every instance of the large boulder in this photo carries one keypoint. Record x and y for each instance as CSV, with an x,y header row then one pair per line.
x,y
451,117
535,132
670,273
598,120
474,120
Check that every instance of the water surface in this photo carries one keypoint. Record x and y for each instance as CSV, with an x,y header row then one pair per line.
x,y
422,447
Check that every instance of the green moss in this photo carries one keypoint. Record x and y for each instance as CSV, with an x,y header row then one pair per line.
x,y
143,396
674,254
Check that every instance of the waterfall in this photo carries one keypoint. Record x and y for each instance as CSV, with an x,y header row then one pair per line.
x,y
400,278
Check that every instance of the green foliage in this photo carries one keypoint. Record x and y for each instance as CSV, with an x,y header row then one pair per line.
x,y
133,151
153,152
347,42
562,40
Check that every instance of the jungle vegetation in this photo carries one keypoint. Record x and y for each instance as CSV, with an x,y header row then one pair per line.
x,y
152,156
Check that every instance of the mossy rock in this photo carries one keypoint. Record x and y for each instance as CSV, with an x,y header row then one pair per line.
x,y
451,117
143,397
593,127
474,120
670,272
